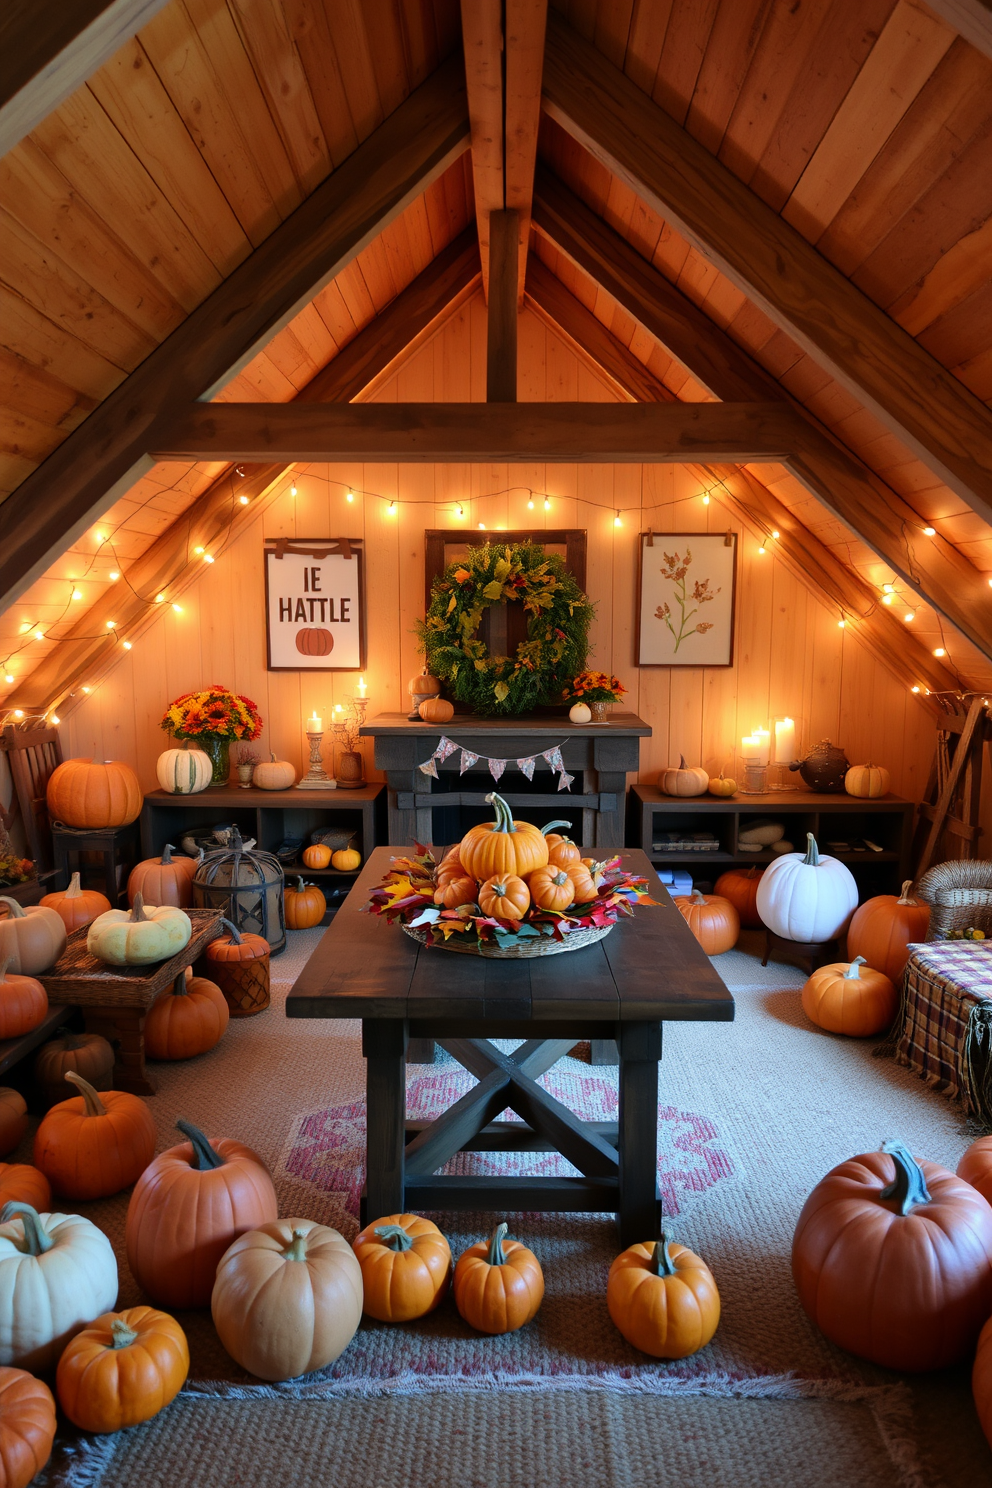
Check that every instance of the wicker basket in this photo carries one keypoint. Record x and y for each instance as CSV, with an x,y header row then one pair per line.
x,y
960,897
527,948
245,985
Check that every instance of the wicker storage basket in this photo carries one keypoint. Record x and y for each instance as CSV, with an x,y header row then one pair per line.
x,y
527,949
960,897
245,985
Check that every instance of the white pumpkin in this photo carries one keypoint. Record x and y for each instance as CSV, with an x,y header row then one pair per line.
x,y
32,939
273,774
580,713
139,935
57,1273
867,780
807,898
183,772
683,781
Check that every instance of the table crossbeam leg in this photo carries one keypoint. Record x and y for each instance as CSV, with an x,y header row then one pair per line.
x,y
446,1136
639,1213
384,1042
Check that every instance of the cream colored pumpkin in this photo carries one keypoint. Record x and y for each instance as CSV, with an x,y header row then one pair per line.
x,y
183,772
684,781
580,713
57,1273
273,774
288,1298
32,939
139,935
867,780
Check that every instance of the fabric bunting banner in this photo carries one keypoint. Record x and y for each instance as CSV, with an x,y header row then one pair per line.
x,y
468,760
526,765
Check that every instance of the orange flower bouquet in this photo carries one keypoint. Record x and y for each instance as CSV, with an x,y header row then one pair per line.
x,y
594,687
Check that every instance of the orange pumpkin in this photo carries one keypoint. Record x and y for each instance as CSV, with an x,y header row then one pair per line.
x,y
583,882
505,897
406,1267
843,998
13,1119
882,929
93,1145
663,1299
713,920
121,1369
89,1054
981,1380
346,859
975,1166
561,850
188,1206
23,1003
317,855
25,1185
503,846
164,880
450,866
94,793
237,945
436,710
27,1427
551,888
870,1272
740,886
76,905
186,1019
498,1284
305,906
455,892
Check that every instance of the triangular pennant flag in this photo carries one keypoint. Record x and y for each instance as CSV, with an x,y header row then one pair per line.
x,y
549,756
468,760
444,748
526,767
496,768
554,759
565,781
429,767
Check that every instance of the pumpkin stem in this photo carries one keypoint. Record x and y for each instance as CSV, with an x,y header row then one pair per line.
x,y
36,1241
92,1104
496,1256
561,877
906,897
123,1335
812,858
394,1237
909,1187
297,1248
682,763
697,896
16,912
852,974
661,1261
504,816
236,935
300,885
167,852
179,986
551,826
4,964
204,1156
138,909
499,888
75,887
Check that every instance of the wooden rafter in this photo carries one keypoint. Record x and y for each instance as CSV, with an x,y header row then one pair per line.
x,y
841,328
482,38
526,22
80,480
880,517
501,324
972,19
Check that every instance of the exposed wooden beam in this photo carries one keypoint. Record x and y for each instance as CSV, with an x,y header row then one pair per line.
x,y
482,39
443,433
48,48
972,19
501,325
76,483
841,328
526,21
881,517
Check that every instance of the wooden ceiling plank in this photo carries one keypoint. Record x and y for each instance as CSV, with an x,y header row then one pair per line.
x,y
414,146
525,28
29,334
686,37
388,49
648,26
501,324
309,26
482,32
838,325
972,18
736,32
962,270
38,393
48,48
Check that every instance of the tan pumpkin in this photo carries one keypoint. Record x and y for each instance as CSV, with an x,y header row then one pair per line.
x,y
32,939
851,998
684,781
318,855
86,1054
13,1119
436,710
164,880
713,921
867,781
305,905
720,786
502,846
76,905
346,859
504,896
274,774
551,888
94,793
882,930
27,1427
23,1003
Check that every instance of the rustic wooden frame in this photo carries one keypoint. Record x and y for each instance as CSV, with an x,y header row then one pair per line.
x,y
436,539
662,537
356,546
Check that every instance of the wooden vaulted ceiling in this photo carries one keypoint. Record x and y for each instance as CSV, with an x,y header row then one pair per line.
x,y
862,125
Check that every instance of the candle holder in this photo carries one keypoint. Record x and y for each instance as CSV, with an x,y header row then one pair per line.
x,y
316,777
755,780
781,779
350,773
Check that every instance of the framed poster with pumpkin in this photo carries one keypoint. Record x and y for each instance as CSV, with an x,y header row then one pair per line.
x,y
685,602
314,604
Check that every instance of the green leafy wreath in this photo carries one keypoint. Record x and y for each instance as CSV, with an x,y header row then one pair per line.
x,y
557,631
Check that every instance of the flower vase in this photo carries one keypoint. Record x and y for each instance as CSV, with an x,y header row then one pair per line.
x,y
245,772
219,751
600,709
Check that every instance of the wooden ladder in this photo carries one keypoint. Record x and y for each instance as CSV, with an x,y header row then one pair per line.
x,y
953,793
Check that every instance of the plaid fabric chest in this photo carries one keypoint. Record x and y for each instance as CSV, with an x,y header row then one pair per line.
x,y
946,1022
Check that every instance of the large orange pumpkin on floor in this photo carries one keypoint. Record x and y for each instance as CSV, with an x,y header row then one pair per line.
x,y
88,1054
975,1167
981,1380
164,880
93,1145
121,1369
13,1119
25,1185
713,921
498,1284
23,1002
663,1299
94,793
27,1427
502,846
187,1019
883,928
189,1205
76,905
740,886
849,997
406,1267
892,1260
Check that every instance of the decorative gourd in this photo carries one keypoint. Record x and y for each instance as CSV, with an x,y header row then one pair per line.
x,y
346,859
561,850
186,1019
56,1272
318,855
583,882
504,896
892,1260
122,1369
31,939
719,785
663,1299
164,880
93,1145
551,888
23,1002
94,793
77,906
580,713
24,1184
684,781
498,1284
274,774
740,886
88,1054
436,710
867,781
975,1166
27,1427
305,905
454,892
883,929
713,921
844,999
288,1298
137,936
806,898
188,1206
183,772
503,846
406,1267
981,1380
423,685
13,1119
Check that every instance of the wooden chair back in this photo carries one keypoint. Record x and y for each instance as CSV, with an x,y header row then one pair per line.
x,y
33,755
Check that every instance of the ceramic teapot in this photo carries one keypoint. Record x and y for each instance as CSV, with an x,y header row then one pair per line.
x,y
824,767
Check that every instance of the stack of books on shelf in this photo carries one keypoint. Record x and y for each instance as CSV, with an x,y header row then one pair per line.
x,y
672,842
676,880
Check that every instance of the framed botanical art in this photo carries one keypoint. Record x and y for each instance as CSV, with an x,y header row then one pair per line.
x,y
685,601
314,604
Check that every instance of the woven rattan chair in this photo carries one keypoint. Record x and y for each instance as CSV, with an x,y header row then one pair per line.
x,y
960,897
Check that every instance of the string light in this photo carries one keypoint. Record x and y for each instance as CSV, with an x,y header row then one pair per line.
x,y
775,535
939,651
350,496
159,598
77,594
391,508
18,712
198,551
888,588
240,471
292,489
914,689
547,503
460,510
178,609
706,499
56,718
761,549
243,500
39,635
616,520
842,624
127,645
87,689
111,624
208,557
114,576
929,532
909,615
100,538
887,598
482,526
530,507
8,678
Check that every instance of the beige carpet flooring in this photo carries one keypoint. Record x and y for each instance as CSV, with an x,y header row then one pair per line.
x,y
786,1103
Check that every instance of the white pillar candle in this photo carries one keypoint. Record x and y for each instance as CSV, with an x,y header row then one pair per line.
x,y
764,739
315,724
785,741
750,747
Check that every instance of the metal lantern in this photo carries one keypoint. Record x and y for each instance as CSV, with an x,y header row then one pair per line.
x,y
247,885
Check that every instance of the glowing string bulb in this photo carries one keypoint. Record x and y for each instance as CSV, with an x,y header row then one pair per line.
x,y
762,548
198,551
159,598
8,678
56,718
842,624
939,651
87,689
914,689
39,635
114,576
929,532
111,624
888,588
18,712
243,500
77,594
706,500
530,507
391,508
292,489
775,535
909,615
350,496
127,645
459,510
887,598
100,538
178,609
208,558
482,526
616,520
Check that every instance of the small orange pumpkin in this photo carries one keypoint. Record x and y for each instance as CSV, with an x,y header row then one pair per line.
x,y
713,921
317,855
237,945
561,850
406,1267
740,886
505,897
346,859
92,1146
498,1284
450,866
121,1369
25,1184
76,905
883,928
663,1299
844,998
186,1019
436,710
551,888
305,906
582,882
975,1167
27,1427
455,892
23,1002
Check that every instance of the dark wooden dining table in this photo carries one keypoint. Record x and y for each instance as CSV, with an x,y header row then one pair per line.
x,y
648,971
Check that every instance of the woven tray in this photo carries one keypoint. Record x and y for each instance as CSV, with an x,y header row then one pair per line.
x,y
526,950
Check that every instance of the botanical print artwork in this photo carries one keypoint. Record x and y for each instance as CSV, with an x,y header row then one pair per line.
x,y
676,569
686,603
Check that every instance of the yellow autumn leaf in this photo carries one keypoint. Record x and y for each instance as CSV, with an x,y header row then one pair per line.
x,y
502,692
